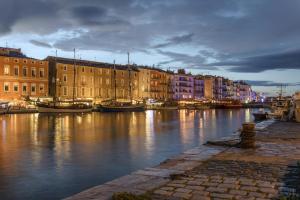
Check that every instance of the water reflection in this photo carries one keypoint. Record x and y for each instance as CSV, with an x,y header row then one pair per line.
x,y
53,156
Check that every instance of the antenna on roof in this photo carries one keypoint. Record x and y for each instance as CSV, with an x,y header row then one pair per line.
x,y
6,45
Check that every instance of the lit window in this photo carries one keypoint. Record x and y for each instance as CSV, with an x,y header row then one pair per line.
x,y
24,71
65,91
33,88
6,69
42,88
107,81
16,70
16,87
6,87
42,72
24,88
33,72
65,78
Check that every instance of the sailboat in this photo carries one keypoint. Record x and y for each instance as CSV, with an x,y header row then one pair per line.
x,y
73,106
114,105
4,107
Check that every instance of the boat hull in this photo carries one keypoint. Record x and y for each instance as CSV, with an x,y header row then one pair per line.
x,y
63,110
260,116
104,108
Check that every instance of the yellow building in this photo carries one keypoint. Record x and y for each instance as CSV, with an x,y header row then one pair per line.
x,y
92,80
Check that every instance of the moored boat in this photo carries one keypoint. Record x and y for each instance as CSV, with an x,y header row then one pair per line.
x,y
121,107
4,107
259,116
64,107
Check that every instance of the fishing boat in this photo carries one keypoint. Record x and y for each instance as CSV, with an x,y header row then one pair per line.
x,y
260,115
280,106
115,106
64,107
121,107
73,106
4,107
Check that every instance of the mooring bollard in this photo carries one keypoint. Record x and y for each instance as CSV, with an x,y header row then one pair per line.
x,y
248,135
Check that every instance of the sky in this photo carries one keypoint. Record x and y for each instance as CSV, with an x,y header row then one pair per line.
x,y
257,41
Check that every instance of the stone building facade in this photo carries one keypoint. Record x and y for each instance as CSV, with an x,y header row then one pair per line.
x,y
22,77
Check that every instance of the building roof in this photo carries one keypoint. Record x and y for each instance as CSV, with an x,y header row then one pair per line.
x,y
90,63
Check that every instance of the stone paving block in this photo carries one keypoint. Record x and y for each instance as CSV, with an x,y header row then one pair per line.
x,y
222,196
244,198
208,184
163,192
238,192
175,185
196,197
195,182
182,195
257,194
268,190
167,188
179,181
215,189
229,186
249,188
157,172
200,193
183,190
194,187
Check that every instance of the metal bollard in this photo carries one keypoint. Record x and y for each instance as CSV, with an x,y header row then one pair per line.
x,y
247,135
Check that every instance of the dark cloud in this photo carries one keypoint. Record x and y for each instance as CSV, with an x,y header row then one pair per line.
x,y
254,64
244,35
270,83
189,61
176,40
40,44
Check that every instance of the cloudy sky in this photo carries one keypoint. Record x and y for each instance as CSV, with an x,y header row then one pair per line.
x,y
254,40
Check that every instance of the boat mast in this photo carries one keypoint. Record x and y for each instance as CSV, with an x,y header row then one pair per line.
x,y
55,76
74,76
115,80
130,86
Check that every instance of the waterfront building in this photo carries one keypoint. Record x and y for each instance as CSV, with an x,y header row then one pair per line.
x,y
183,85
227,89
158,84
95,81
218,88
144,83
22,77
208,87
198,87
245,92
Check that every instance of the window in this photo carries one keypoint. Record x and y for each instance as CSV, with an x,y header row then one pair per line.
x,y
41,63
24,88
100,71
6,87
82,69
65,78
107,71
6,69
16,87
42,88
24,71
82,91
91,70
16,70
65,91
65,67
91,91
42,72
107,81
24,61
16,60
122,82
33,72
33,88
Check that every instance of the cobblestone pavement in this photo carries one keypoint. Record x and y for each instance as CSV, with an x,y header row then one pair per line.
x,y
266,172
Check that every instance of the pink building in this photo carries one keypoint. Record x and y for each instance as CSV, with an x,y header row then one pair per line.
x,y
183,85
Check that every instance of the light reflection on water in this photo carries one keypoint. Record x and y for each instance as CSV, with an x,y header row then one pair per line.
x,y
53,156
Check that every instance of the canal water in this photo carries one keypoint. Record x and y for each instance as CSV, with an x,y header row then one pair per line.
x,y
46,156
